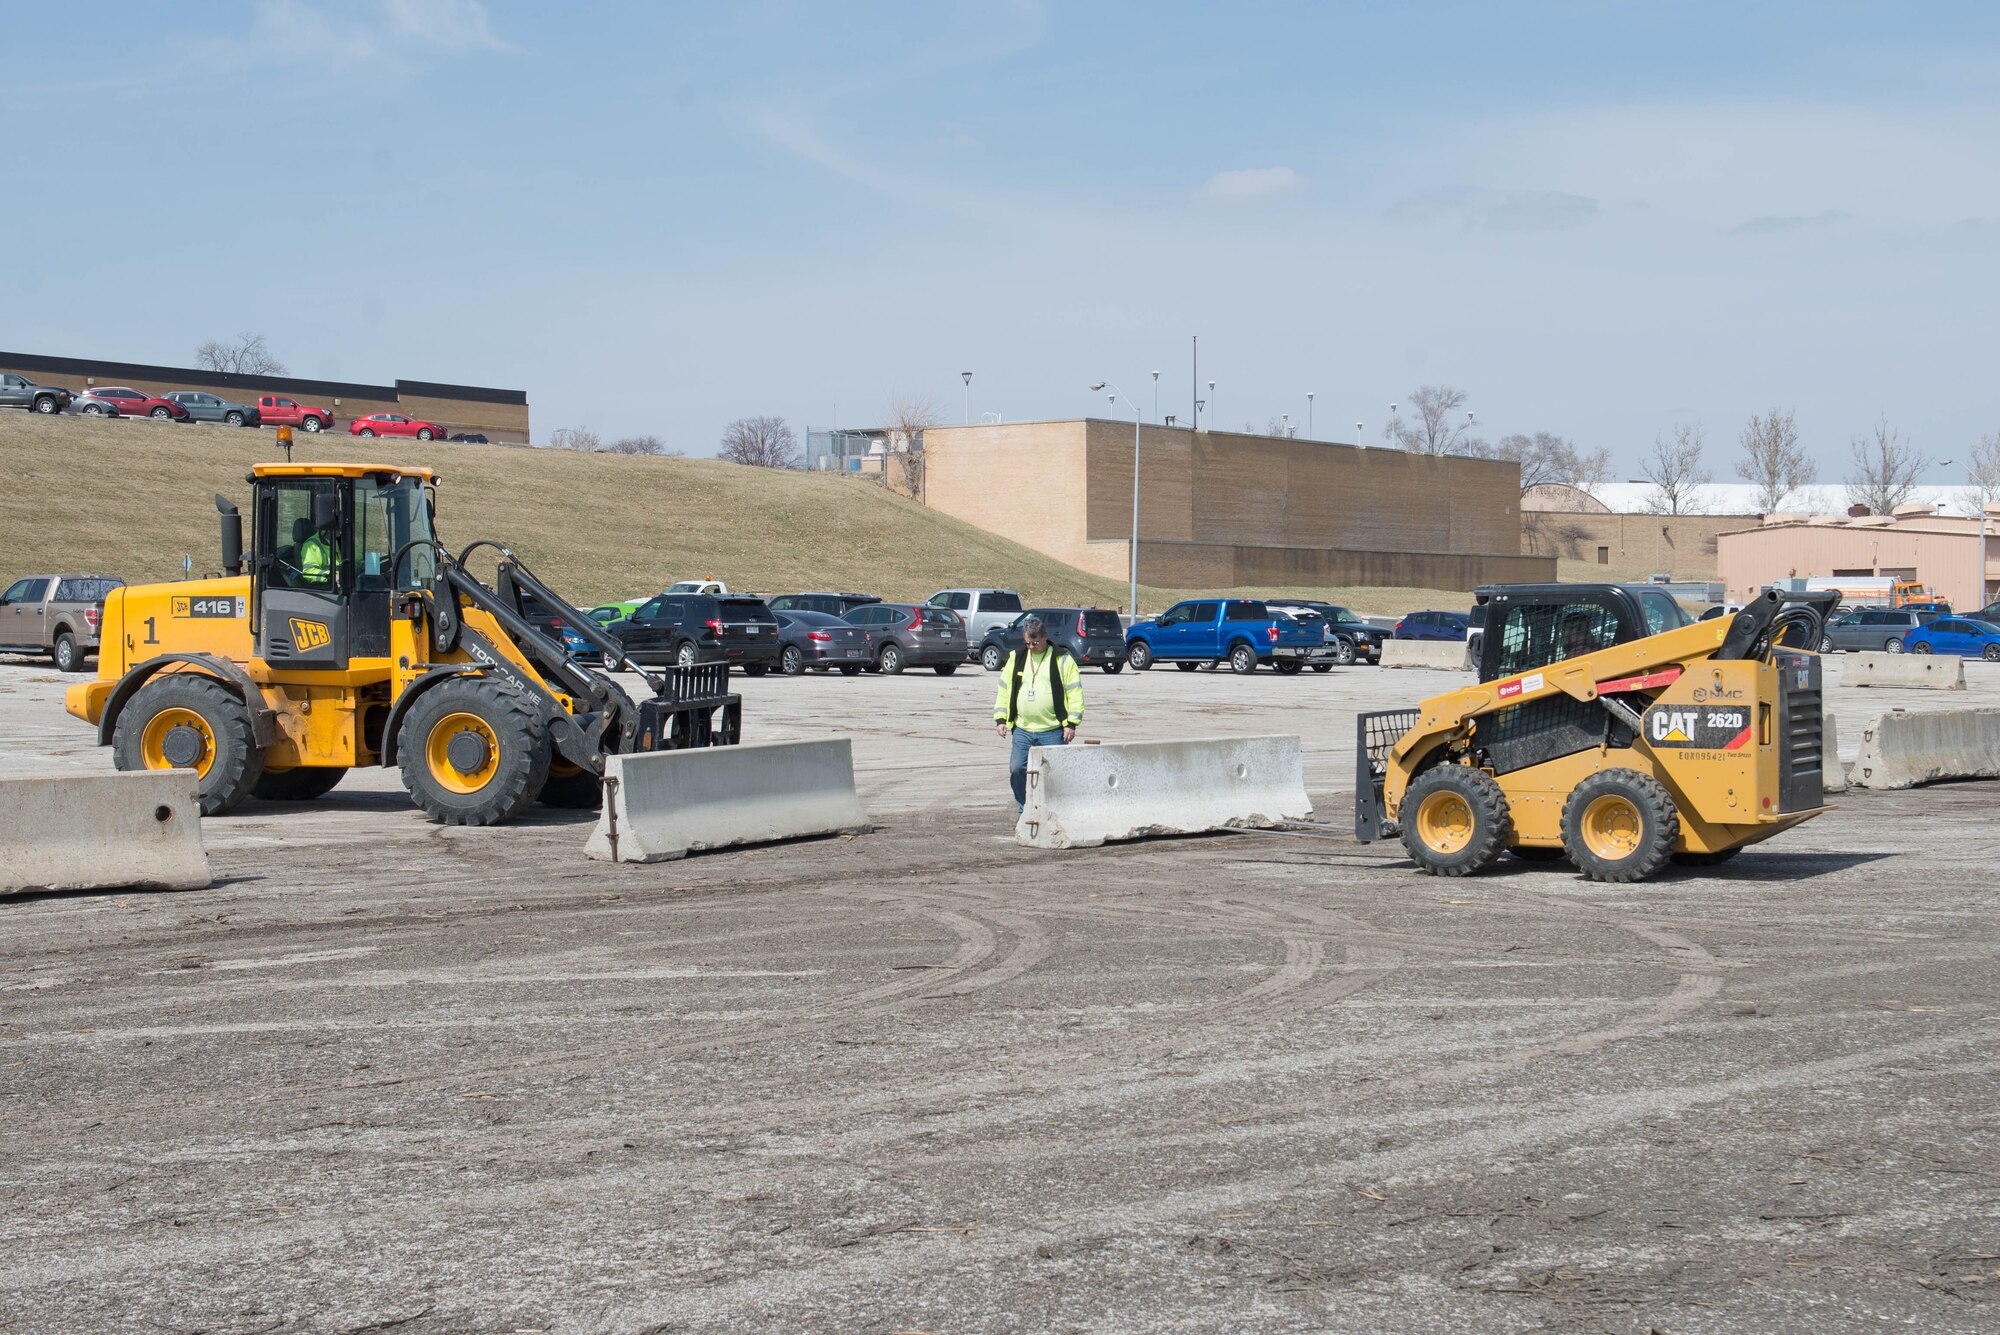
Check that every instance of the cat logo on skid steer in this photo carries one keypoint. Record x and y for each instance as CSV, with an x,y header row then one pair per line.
x,y
1706,729
307,635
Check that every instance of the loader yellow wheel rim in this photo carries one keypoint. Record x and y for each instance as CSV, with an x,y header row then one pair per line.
x,y
1444,822
1613,827
153,741
437,753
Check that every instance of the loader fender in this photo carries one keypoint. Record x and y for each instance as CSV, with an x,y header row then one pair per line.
x,y
263,722
392,730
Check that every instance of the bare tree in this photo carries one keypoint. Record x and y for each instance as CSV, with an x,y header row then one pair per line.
x,y
1439,426
1886,468
643,445
760,442
1774,460
580,438
1982,471
1674,468
911,415
1547,458
248,355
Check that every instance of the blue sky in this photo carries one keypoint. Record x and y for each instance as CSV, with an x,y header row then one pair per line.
x,y
1598,219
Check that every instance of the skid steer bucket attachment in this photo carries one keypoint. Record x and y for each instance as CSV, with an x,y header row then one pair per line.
x,y
662,805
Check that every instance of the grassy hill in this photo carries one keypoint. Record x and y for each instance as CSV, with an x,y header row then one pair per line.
x,y
131,497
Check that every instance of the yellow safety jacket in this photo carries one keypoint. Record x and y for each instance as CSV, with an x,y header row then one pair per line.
x,y
1039,692
316,561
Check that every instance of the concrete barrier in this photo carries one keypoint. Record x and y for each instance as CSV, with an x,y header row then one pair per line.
x,y
1908,747
667,804
1933,672
1424,654
101,832
1832,774
1083,796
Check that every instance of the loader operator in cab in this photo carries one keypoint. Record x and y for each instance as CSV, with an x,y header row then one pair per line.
x,y
1579,636
308,563
1040,701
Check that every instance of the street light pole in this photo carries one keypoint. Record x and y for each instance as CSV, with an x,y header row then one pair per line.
x,y
1309,414
1105,384
1156,395
967,377
1211,405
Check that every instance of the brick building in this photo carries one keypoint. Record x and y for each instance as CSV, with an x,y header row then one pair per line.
x,y
498,414
1220,510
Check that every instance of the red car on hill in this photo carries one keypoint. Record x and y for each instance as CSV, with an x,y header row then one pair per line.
x,y
394,424
118,401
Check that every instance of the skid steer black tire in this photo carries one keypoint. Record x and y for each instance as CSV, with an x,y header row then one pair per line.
x,y
1693,859
508,749
1620,825
1455,820
183,710
303,784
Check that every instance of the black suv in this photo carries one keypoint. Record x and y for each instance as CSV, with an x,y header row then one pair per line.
x,y
833,604
1094,636
689,628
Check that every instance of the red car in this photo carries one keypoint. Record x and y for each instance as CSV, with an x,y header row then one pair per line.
x,y
118,401
394,424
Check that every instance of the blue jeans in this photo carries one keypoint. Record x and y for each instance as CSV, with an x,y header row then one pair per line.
x,y
1017,762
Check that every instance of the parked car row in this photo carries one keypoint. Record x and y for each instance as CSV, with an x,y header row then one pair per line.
x,y
188,405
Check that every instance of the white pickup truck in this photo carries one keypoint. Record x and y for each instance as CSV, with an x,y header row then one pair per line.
x,y
55,615
980,609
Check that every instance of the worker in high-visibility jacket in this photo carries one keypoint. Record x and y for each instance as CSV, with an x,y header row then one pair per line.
x,y
1040,701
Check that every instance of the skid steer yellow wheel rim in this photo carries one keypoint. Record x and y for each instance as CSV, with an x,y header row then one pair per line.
x,y
153,742
1613,827
1444,823
437,748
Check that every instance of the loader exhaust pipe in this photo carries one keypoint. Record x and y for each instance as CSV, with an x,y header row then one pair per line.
x,y
232,535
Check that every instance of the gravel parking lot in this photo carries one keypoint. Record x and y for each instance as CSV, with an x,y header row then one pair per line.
x,y
385,1076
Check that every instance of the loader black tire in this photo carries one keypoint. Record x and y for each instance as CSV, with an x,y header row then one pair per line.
x,y
1620,825
184,721
1455,820
302,784
502,745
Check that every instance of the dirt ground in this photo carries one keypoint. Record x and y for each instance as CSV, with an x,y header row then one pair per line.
x,y
385,1076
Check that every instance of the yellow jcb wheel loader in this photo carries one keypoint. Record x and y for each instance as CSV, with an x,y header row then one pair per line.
x,y
1606,729
355,639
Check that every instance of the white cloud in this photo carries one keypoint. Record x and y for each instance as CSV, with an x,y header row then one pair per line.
x,y
457,25
1252,183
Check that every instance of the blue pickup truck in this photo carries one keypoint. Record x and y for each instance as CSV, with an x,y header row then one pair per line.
x,y
1238,631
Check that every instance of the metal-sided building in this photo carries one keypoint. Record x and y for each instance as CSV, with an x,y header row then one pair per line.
x,y
1957,556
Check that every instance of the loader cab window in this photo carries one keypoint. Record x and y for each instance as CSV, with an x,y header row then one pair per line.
x,y
389,512
283,531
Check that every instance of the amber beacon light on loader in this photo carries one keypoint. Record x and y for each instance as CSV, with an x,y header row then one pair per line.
x,y
1596,735
355,638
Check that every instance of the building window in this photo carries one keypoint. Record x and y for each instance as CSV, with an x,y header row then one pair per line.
x,y
1604,556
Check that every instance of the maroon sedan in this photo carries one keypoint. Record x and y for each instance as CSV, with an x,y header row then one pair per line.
x,y
394,424
118,401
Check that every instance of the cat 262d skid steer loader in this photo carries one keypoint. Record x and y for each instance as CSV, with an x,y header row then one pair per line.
x,y
355,639
1598,736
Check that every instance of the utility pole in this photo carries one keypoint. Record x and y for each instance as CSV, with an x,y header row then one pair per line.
x,y
967,377
1194,384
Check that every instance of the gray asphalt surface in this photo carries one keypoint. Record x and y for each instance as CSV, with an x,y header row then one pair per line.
x,y
389,1077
